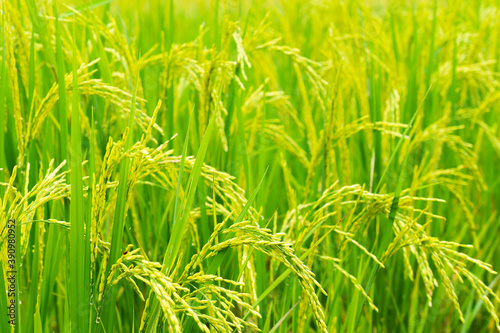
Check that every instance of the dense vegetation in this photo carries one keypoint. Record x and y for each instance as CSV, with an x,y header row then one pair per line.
x,y
221,166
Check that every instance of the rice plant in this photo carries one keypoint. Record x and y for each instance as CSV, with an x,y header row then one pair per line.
x,y
245,166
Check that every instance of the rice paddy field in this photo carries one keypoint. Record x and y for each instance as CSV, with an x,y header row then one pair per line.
x,y
243,166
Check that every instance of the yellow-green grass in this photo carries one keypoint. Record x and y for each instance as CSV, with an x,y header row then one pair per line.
x,y
276,166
